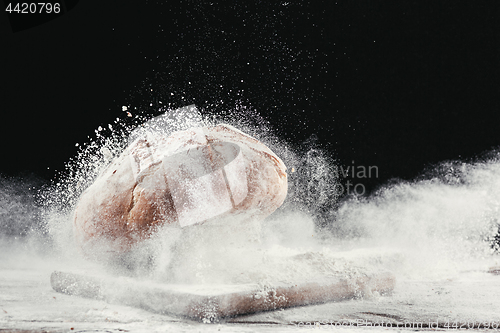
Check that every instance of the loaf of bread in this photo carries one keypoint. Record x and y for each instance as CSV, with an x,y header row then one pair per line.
x,y
200,175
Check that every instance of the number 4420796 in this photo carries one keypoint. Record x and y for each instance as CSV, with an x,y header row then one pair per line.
x,y
33,8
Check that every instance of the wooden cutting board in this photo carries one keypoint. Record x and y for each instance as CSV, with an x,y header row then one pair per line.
x,y
209,303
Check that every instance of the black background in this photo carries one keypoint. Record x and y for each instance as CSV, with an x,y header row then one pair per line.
x,y
401,85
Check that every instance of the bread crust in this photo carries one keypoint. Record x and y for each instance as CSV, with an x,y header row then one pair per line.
x,y
144,188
